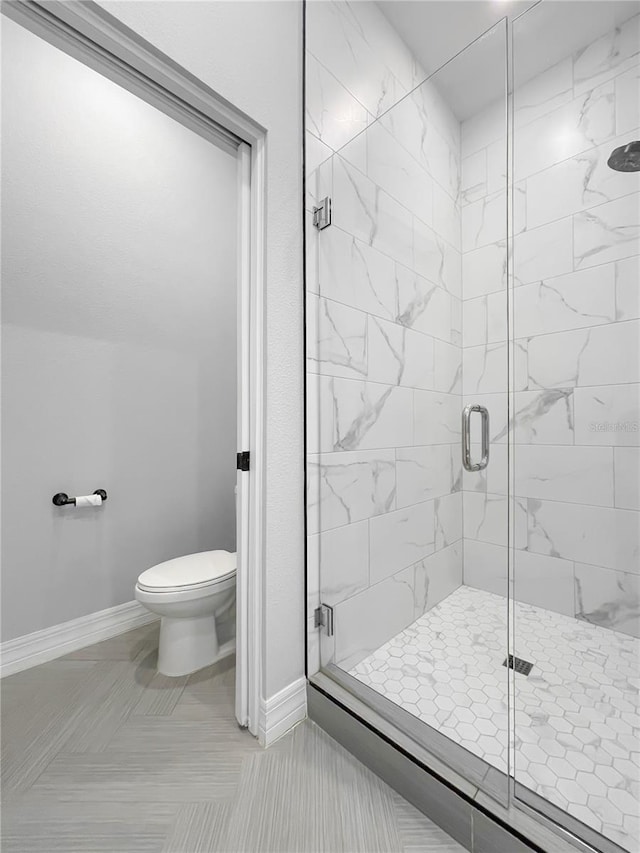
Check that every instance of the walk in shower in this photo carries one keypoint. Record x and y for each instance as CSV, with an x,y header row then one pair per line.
x,y
473,396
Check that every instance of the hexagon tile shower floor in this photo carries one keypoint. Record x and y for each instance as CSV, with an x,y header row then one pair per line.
x,y
577,716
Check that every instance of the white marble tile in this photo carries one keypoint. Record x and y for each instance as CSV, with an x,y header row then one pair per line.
x,y
627,477
484,270
385,42
426,307
336,39
436,418
390,166
336,339
440,574
484,319
544,581
474,177
368,213
422,127
543,252
544,417
447,670
313,570
365,621
628,101
456,321
358,415
539,580
447,519
319,415
485,369
607,537
426,472
446,217
333,115
608,415
485,127
437,576
585,122
352,272
486,517
320,183
492,479
347,487
447,365
562,473
485,566
602,355
356,152
543,93
608,232
400,356
497,167
316,152
608,56
435,259
577,184
343,557
627,290
572,301
442,161
608,598
400,539
485,222
437,112
541,417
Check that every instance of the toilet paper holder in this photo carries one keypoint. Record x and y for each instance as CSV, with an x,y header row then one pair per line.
x,y
63,499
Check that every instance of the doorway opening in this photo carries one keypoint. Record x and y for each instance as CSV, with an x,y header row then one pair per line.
x,y
132,333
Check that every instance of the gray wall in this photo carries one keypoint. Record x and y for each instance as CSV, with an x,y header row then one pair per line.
x,y
119,337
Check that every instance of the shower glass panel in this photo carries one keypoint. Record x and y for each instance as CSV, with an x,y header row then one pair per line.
x,y
406,328
576,455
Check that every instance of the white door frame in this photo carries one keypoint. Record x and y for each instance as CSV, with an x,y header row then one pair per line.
x,y
250,501
90,34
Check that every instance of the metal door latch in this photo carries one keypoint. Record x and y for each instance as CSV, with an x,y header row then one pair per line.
x,y
323,618
322,214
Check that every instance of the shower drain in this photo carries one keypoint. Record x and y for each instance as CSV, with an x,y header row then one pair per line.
x,y
521,666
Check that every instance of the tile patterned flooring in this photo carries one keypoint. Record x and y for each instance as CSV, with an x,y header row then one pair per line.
x,y
100,754
577,739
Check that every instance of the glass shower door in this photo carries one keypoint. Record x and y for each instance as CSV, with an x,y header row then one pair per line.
x,y
407,332
576,439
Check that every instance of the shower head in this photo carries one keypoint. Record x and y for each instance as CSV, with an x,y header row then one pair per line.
x,y
626,158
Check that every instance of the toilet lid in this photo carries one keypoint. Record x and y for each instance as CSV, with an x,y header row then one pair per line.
x,y
192,570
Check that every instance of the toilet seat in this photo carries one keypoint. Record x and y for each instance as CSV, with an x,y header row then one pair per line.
x,y
192,573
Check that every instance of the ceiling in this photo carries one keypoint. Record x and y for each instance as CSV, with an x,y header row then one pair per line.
x,y
436,31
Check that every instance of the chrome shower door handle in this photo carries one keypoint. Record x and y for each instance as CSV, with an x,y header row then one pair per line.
x,y
466,437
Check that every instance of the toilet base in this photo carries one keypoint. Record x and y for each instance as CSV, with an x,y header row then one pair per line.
x,y
187,645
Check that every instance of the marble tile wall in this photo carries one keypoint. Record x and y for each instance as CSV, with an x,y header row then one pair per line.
x,y
577,337
384,333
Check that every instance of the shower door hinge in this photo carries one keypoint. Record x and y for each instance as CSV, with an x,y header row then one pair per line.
x,y
242,460
323,618
322,214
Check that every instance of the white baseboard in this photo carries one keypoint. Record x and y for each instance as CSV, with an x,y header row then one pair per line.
x,y
281,712
51,643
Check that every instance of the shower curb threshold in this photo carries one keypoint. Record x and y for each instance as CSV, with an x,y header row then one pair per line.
x,y
460,808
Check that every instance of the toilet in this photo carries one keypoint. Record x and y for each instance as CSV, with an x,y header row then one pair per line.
x,y
188,593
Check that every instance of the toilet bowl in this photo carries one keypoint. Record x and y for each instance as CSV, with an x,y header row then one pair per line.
x,y
188,593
